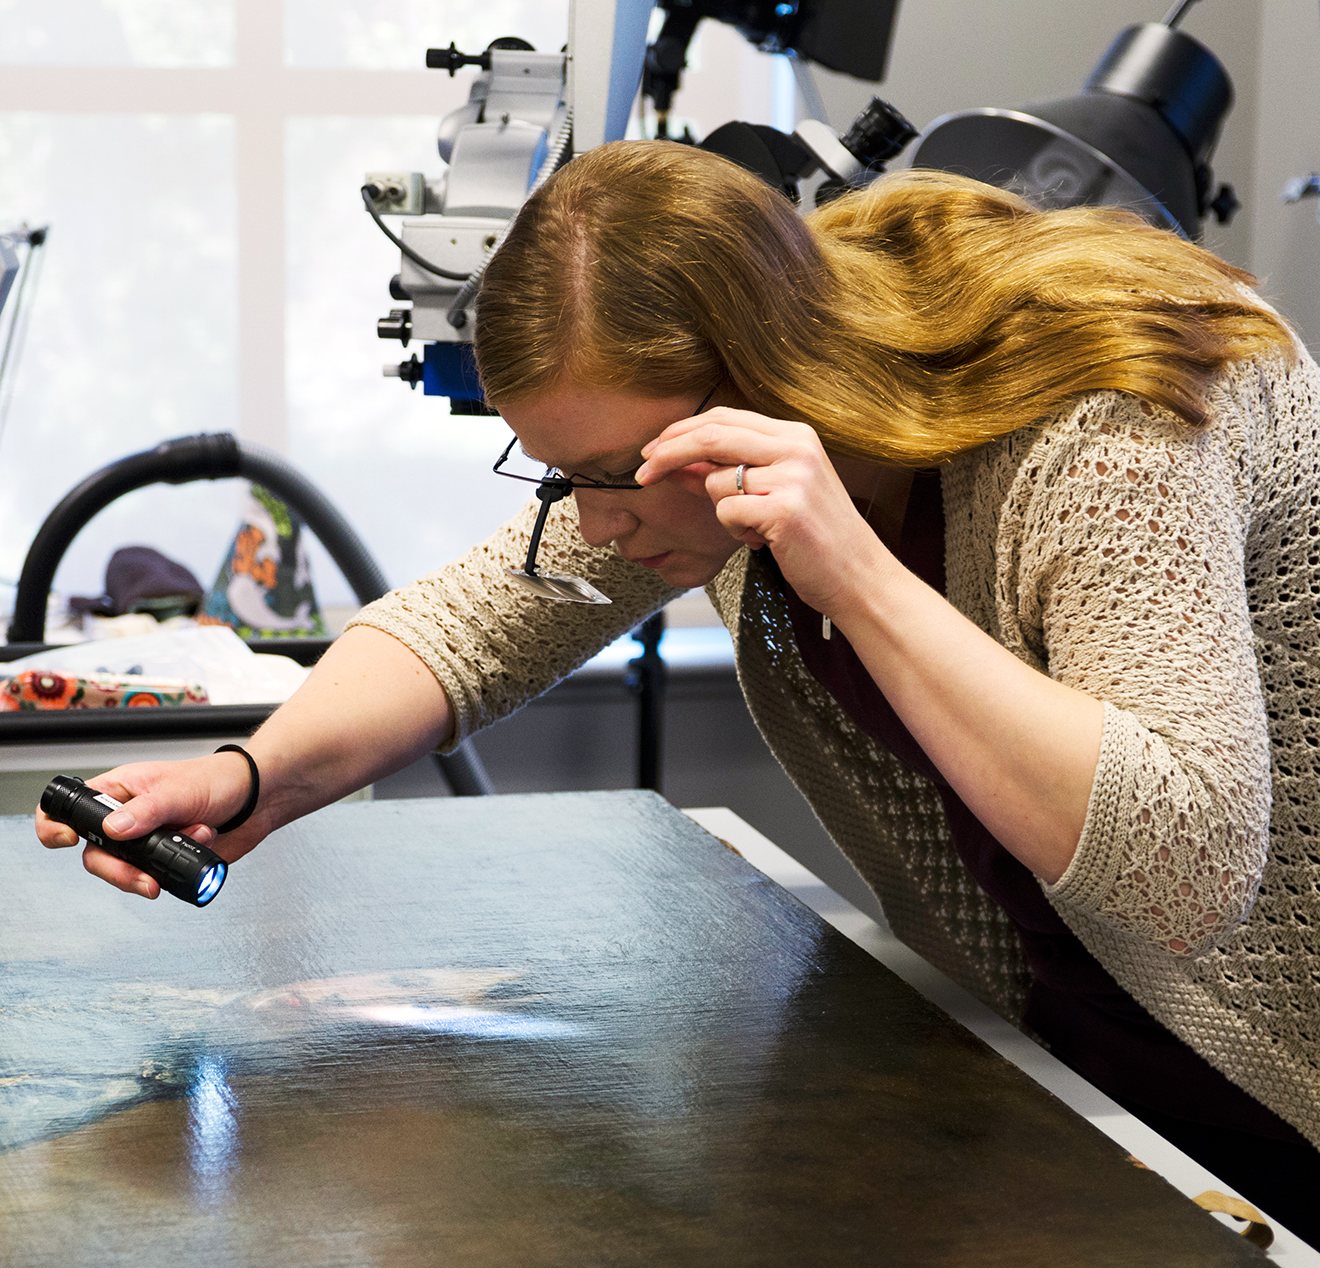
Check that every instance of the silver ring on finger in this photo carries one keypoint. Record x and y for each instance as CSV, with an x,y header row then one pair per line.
x,y
738,478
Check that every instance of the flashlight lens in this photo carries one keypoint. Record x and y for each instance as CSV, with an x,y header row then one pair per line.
x,y
209,886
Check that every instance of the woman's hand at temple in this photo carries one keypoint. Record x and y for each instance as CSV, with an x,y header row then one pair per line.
x,y
793,499
369,707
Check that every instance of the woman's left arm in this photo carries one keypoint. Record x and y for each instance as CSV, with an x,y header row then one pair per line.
x,y
1018,747
1021,748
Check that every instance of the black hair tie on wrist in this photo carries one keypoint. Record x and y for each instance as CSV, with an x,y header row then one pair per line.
x,y
254,791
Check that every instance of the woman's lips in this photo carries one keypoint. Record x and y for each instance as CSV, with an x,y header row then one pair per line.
x,y
652,561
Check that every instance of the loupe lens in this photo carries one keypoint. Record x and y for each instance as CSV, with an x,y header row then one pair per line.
x,y
559,586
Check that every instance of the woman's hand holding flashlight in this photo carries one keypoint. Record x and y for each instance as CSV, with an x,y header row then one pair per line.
x,y
370,707
158,794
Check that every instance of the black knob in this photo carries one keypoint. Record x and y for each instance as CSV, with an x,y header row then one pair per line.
x,y
1225,204
877,134
398,325
411,371
451,59
396,288
667,56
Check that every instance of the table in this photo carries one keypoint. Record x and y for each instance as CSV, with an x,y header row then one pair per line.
x,y
563,1029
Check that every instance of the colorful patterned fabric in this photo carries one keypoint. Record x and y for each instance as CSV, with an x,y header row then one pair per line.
x,y
264,589
44,689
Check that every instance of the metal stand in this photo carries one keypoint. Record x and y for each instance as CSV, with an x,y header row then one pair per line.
x,y
646,679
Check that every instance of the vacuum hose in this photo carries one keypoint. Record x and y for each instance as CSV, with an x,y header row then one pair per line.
x,y
219,456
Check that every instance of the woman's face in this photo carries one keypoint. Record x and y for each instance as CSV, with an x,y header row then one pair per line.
x,y
596,432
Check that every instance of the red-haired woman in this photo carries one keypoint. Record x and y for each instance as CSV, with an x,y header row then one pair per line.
x,y
1011,515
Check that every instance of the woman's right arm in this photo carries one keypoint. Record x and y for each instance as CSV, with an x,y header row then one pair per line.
x,y
375,702
371,706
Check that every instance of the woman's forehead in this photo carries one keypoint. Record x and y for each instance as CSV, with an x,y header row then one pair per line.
x,y
590,425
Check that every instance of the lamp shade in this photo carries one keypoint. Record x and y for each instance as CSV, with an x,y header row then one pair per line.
x,y
1138,136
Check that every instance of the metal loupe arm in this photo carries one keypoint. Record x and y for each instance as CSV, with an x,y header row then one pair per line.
x,y
549,491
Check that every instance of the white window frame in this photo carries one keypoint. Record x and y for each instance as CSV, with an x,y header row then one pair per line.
x,y
259,92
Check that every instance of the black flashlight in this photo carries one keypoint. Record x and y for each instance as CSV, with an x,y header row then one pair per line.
x,y
176,862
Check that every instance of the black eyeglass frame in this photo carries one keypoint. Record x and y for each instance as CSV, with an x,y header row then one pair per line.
x,y
555,486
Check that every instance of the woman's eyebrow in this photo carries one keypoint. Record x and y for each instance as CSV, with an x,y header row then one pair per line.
x,y
599,461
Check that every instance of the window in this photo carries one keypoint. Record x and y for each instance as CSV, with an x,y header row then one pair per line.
x,y
210,268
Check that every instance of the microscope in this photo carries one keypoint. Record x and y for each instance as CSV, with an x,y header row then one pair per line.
x,y
529,112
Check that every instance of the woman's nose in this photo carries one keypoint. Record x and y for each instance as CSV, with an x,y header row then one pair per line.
x,y
603,517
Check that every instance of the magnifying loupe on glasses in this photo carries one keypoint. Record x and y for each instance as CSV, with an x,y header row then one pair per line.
x,y
553,585
551,488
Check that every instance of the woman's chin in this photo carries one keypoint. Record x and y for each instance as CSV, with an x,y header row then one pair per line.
x,y
685,569
686,573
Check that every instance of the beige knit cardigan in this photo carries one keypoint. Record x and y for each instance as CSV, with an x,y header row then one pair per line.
x,y
1173,576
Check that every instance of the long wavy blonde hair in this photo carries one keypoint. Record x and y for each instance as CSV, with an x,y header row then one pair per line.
x,y
908,322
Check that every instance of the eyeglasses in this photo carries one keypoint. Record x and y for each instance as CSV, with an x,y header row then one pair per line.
x,y
551,488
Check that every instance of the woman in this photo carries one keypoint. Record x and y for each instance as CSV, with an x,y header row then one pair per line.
x,y
1039,698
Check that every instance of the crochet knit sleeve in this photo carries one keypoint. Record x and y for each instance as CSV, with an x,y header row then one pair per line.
x,y
1130,585
492,645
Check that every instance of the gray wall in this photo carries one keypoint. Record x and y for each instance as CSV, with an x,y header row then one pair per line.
x,y
1286,239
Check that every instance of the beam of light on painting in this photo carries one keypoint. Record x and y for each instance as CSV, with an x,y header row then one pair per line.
x,y
475,1023
212,1123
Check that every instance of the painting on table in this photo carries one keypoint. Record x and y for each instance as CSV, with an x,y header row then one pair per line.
x,y
565,1029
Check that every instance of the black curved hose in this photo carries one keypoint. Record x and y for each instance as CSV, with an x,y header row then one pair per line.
x,y
208,457
218,456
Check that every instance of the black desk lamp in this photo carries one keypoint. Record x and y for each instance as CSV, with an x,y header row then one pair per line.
x,y
1139,135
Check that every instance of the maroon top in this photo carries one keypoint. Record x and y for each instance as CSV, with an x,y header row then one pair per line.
x,y
1088,1020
